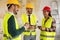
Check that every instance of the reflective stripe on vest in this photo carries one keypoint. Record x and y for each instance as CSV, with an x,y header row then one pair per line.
x,y
28,33
44,34
5,27
32,22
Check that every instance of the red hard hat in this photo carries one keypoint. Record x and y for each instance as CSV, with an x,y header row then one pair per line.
x,y
47,8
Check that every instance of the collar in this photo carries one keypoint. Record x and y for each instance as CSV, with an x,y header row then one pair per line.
x,y
11,13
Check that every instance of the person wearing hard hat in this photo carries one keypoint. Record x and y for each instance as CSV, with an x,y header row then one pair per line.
x,y
11,29
30,18
48,28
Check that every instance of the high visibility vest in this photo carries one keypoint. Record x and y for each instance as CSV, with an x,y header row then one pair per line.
x,y
44,35
5,27
32,22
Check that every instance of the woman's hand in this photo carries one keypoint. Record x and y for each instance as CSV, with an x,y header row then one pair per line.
x,y
41,28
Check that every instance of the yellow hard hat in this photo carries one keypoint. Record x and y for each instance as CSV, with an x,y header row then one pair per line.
x,y
29,5
14,2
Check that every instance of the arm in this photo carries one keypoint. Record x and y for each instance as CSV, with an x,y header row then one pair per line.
x,y
12,27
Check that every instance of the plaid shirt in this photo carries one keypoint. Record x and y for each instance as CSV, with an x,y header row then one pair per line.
x,y
53,27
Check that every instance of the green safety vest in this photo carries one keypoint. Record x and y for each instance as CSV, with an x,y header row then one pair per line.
x,y
44,35
32,22
5,27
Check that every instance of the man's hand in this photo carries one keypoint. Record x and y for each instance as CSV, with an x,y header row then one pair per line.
x,y
26,26
32,27
43,29
39,27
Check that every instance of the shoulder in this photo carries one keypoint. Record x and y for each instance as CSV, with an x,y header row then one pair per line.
x,y
43,19
7,16
33,15
53,20
23,14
